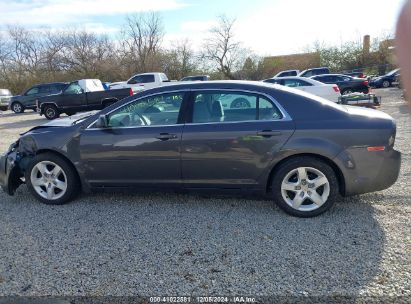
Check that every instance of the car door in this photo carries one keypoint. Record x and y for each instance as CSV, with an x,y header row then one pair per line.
x,y
73,97
29,98
226,147
139,147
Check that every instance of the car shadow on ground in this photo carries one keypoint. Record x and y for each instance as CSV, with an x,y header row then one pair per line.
x,y
197,245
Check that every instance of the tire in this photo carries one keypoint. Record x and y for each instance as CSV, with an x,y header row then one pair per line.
x,y
51,112
347,91
386,84
39,181
17,107
287,177
240,103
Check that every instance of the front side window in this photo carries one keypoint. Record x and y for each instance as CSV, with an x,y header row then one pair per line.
x,y
232,107
33,91
74,88
157,110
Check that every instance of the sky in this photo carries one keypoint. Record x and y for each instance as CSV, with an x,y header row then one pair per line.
x,y
267,27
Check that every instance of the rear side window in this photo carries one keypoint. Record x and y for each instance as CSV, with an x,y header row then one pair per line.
x,y
55,88
232,107
44,89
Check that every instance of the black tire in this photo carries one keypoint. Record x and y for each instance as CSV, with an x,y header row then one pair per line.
x,y
73,184
17,107
386,84
304,161
240,103
51,112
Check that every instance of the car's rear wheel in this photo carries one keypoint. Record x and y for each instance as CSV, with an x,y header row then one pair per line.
x,y
305,187
51,112
17,107
386,84
51,179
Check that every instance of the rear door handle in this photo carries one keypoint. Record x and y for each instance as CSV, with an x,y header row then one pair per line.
x,y
166,136
268,133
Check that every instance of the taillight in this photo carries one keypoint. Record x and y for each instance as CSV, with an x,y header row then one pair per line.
x,y
365,82
336,88
131,92
379,148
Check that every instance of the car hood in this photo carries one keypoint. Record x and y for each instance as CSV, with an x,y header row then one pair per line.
x,y
63,122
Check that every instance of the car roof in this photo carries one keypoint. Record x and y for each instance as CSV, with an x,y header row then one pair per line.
x,y
329,75
307,79
49,83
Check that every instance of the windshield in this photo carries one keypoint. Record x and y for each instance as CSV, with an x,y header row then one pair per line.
x,y
81,117
393,72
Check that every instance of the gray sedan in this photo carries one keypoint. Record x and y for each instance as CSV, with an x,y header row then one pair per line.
x,y
299,149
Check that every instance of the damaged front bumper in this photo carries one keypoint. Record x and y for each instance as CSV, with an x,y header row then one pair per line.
x,y
10,172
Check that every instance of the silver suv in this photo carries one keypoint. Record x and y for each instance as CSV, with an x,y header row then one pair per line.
x,y
5,96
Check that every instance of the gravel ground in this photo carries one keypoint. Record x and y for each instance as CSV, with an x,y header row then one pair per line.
x,y
169,244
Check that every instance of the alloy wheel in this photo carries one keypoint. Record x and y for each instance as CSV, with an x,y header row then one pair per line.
x,y
305,189
48,180
17,108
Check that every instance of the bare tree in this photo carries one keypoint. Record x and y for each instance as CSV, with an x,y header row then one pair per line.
x,y
142,37
222,50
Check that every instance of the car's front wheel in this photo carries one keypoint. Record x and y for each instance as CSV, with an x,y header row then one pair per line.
x,y
305,186
51,179
17,107
386,84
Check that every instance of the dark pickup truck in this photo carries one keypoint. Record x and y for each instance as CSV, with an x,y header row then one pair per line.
x,y
79,96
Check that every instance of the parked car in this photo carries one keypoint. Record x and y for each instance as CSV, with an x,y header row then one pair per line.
x,y
347,84
27,100
290,146
141,82
315,71
5,97
386,80
287,73
327,91
78,96
196,78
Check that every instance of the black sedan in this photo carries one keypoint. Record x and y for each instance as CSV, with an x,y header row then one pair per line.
x,y
286,144
386,80
346,84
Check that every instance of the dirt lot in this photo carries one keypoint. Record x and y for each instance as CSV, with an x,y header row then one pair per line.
x,y
166,244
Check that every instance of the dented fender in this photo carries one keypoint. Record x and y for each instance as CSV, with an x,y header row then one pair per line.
x,y
10,173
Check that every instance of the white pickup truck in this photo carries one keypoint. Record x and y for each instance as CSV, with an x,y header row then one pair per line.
x,y
141,82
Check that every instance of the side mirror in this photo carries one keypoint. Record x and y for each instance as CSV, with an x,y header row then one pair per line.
x,y
132,81
102,122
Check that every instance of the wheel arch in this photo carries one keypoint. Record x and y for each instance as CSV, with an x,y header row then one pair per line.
x,y
330,162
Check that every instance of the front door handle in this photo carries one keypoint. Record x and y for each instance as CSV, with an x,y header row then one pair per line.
x,y
268,133
166,136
